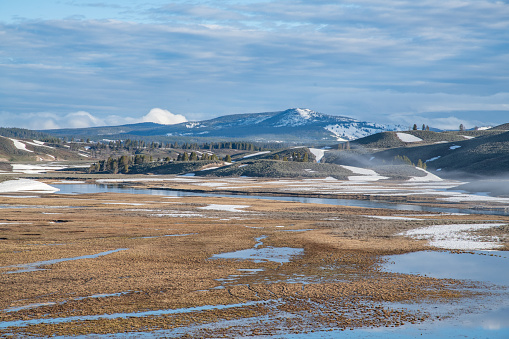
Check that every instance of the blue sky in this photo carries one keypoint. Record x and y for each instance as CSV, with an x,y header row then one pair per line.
x,y
71,63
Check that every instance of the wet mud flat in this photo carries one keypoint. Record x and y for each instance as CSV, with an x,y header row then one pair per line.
x,y
212,266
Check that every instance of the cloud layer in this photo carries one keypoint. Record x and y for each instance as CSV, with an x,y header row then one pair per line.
x,y
82,119
376,60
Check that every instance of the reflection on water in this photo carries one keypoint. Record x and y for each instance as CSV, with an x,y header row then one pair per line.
x,y
94,188
276,254
487,266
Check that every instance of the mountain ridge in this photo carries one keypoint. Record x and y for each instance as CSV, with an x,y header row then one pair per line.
x,y
291,125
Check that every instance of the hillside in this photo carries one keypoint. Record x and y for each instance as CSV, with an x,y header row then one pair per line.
x,y
482,156
503,127
12,149
417,138
290,126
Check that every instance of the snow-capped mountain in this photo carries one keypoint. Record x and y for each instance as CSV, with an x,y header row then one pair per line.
x,y
291,125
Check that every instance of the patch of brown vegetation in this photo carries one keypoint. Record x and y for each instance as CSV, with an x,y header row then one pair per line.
x,y
336,283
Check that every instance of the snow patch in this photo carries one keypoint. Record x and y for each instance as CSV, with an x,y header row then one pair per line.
x,y
19,145
408,137
318,153
454,147
255,154
455,237
228,208
434,158
366,174
26,185
427,178
34,169
37,143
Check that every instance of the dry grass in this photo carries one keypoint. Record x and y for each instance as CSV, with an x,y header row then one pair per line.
x,y
157,271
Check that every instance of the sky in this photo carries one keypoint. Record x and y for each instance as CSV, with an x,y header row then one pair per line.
x,y
69,63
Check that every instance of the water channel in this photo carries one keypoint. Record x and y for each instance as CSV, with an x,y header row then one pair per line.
x,y
100,188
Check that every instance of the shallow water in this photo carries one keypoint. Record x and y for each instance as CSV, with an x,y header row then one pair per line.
x,y
486,266
23,323
95,188
31,267
256,254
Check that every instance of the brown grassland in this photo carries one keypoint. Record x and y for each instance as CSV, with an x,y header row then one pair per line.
x,y
164,262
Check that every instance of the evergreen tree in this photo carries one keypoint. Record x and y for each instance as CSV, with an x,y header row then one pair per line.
x,y
415,127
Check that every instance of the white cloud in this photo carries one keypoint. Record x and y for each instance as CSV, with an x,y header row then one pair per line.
x,y
162,116
81,119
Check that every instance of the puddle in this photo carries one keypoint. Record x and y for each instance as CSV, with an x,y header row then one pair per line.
x,y
256,254
32,267
486,266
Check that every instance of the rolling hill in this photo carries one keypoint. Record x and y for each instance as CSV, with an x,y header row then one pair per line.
x,y
482,156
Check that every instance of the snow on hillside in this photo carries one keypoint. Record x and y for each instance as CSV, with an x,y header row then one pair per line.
x,y
297,117
355,130
19,145
427,178
255,154
365,174
318,153
408,137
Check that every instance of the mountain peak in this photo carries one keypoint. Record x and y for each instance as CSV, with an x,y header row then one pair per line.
x,y
305,113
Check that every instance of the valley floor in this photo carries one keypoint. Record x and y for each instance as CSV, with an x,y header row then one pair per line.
x,y
232,266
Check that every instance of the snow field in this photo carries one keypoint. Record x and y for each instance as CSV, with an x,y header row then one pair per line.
x,y
227,208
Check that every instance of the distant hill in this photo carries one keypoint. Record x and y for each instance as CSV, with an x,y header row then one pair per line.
x,y
293,126
22,133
